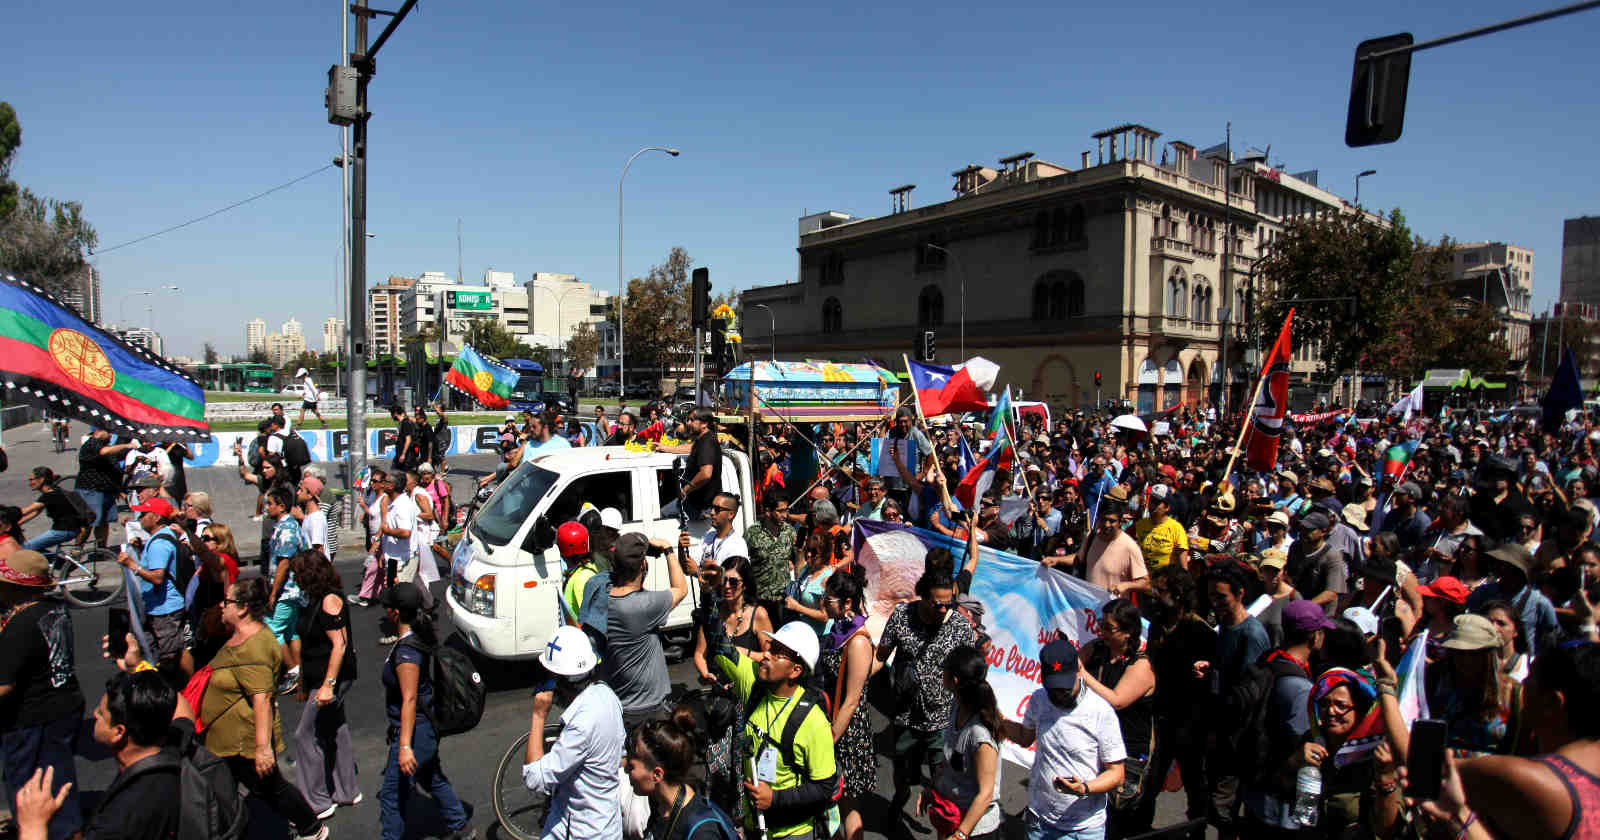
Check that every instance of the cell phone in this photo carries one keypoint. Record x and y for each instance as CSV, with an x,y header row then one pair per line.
x,y
1425,763
118,626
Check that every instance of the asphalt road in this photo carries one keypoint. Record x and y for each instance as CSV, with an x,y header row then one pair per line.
x,y
470,758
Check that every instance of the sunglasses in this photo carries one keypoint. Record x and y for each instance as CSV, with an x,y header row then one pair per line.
x,y
721,509
233,601
208,538
732,583
943,606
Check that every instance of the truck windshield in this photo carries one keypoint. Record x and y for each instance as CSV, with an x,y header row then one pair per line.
x,y
528,388
511,505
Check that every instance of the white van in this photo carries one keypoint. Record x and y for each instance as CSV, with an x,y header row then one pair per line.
x,y
505,576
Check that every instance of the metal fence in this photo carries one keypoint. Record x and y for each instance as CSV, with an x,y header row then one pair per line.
x,y
13,416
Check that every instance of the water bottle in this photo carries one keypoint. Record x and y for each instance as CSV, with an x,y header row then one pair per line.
x,y
1307,793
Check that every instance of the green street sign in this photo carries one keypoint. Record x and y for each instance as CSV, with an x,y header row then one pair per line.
x,y
469,300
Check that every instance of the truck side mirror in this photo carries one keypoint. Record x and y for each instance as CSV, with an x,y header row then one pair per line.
x,y
540,537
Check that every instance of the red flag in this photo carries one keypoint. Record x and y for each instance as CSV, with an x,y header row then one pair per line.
x,y
1272,403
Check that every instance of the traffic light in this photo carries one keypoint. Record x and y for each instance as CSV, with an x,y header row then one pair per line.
x,y
719,350
1377,111
699,297
1097,379
928,349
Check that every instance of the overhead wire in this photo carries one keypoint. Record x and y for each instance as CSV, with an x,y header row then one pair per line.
x,y
214,213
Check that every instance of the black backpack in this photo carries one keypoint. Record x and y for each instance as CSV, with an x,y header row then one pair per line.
x,y
458,690
295,452
210,804
1247,741
809,698
183,558
79,507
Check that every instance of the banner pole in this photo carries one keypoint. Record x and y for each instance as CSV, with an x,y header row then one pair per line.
x,y
1244,425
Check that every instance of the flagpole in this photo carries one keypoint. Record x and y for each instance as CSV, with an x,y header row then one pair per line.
x,y
913,380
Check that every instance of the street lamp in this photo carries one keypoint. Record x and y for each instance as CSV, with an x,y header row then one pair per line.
x,y
622,367
773,335
962,271
1359,175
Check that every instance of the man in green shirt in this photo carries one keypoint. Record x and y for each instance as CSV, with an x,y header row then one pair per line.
x,y
791,778
771,542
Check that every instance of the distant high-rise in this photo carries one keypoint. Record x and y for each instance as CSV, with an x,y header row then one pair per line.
x,y
290,327
255,336
333,335
1580,260
281,348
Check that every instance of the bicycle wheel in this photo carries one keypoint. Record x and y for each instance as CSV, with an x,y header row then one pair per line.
x,y
92,580
521,812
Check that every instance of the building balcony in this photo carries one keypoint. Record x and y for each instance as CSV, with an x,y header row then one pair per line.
x,y
1170,247
1186,327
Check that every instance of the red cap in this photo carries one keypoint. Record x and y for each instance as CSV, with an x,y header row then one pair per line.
x,y
572,539
156,505
1446,588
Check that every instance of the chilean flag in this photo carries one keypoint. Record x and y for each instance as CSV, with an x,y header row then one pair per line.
x,y
976,482
942,390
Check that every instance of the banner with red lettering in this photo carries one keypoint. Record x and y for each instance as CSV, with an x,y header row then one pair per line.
x,y
1025,604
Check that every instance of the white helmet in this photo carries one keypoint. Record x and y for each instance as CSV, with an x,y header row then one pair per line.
x,y
801,638
611,518
568,653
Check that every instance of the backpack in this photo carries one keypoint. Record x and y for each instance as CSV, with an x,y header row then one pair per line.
x,y
210,804
594,610
1248,742
458,690
295,452
809,698
80,507
718,818
183,562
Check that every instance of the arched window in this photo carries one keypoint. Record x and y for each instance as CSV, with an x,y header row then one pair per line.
x,y
930,307
832,316
1041,229
1041,301
1200,310
1074,296
1057,296
1075,224
1058,226
1177,294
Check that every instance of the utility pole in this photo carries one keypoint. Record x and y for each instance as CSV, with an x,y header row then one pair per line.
x,y
364,62
1227,269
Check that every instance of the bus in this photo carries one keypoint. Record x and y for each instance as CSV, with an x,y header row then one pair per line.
x,y
250,377
528,394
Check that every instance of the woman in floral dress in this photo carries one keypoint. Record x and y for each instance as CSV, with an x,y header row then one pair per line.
x,y
843,668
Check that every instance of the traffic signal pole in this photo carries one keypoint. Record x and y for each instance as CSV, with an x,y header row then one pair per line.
x,y
363,59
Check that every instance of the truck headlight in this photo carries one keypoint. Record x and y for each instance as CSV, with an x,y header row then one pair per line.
x,y
476,597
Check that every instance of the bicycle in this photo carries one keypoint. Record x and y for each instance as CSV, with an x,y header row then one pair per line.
x,y
61,431
90,578
521,812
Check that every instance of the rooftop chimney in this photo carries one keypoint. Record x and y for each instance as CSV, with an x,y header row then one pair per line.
x,y
902,197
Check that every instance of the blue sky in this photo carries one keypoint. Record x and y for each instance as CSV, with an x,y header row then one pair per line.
x,y
517,117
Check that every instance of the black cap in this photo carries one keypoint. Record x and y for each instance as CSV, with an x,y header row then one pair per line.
x,y
632,545
403,596
1059,662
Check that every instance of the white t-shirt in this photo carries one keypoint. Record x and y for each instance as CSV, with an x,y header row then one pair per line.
x,y
1071,743
402,515
717,550
275,442
308,390
315,529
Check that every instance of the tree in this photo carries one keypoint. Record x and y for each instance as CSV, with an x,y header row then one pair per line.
x,y
258,356
656,315
44,239
10,141
583,347
210,353
489,337
306,359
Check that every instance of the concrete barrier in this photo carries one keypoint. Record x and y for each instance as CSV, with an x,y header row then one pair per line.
x,y
332,444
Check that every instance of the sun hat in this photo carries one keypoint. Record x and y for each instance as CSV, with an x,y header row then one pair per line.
x,y
1355,516
25,567
1512,554
1472,632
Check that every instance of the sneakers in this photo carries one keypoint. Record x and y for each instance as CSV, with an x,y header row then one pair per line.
x,y
328,811
290,682
352,803
388,640
320,834
359,601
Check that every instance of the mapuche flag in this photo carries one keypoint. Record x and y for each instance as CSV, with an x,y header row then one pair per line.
x,y
1396,457
481,379
52,358
1272,403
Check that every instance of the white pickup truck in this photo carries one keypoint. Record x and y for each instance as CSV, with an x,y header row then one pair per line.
x,y
506,576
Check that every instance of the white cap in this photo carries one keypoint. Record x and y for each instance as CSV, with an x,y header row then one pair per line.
x,y
1364,618
568,653
299,373
611,518
799,637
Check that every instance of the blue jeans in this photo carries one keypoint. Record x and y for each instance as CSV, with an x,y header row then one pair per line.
x,y
1040,830
102,503
50,744
394,796
49,539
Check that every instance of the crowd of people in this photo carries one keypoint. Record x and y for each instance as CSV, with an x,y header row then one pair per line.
x,y
1269,638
